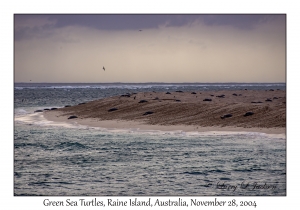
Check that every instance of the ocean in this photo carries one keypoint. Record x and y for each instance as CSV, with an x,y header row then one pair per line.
x,y
56,159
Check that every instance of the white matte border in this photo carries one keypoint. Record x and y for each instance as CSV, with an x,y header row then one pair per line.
x,y
8,8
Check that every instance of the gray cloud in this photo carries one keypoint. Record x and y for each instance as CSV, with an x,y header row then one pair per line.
x,y
32,26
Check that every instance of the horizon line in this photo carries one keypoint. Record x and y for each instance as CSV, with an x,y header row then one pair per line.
x,y
149,82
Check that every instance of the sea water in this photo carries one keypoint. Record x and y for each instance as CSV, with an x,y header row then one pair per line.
x,y
57,159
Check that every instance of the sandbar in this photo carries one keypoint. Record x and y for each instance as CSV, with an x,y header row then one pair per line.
x,y
183,110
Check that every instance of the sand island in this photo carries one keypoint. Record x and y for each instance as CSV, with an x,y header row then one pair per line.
x,y
225,110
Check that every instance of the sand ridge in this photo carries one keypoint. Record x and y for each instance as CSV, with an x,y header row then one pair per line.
x,y
186,109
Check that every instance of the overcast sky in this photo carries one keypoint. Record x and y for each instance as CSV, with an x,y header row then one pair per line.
x,y
150,48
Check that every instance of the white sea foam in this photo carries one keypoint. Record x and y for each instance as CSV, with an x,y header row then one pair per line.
x,y
20,111
38,119
140,85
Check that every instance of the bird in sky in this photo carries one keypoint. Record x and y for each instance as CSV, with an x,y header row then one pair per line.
x,y
103,68
140,30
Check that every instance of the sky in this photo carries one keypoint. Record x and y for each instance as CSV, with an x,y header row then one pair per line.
x,y
149,48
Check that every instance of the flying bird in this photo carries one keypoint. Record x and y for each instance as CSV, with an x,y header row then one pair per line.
x,y
103,68
140,30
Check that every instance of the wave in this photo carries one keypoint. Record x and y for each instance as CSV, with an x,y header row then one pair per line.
x,y
20,111
27,111
38,119
68,146
20,86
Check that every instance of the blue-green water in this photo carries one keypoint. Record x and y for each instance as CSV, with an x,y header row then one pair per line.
x,y
53,159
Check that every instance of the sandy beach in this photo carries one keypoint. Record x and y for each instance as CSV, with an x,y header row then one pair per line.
x,y
187,111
